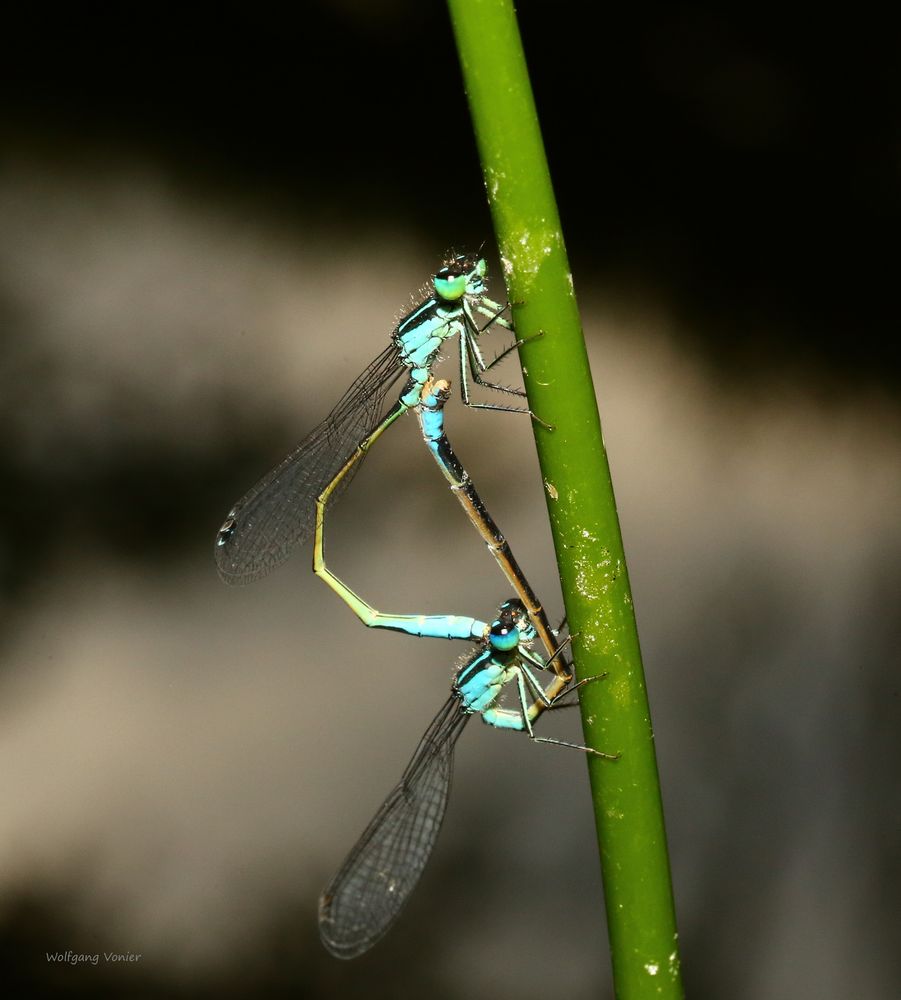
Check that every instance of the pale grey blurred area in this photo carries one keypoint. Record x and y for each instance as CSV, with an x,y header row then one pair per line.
x,y
185,764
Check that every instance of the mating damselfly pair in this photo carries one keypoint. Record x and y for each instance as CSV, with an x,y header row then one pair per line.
x,y
290,503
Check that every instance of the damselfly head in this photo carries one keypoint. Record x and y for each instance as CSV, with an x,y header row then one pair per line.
x,y
511,627
461,275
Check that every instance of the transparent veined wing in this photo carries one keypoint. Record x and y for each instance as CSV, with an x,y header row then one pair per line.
x,y
363,900
279,511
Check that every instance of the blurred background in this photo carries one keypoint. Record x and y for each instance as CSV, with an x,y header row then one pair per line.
x,y
209,220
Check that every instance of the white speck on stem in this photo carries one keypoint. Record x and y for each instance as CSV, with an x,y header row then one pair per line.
x,y
529,250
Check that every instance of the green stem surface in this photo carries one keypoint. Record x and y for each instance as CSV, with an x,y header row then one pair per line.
x,y
581,505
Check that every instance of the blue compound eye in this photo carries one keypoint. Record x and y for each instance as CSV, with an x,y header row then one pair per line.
x,y
503,636
450,286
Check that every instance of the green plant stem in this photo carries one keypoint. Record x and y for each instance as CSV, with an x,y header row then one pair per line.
x,y
581,505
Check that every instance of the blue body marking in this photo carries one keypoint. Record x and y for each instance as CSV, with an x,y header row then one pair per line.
x,y
370,889
278,512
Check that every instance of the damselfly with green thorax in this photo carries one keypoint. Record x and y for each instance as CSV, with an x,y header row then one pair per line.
x,y
278,512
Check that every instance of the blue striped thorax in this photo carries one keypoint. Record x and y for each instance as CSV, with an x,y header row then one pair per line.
x,y
479,682
420,333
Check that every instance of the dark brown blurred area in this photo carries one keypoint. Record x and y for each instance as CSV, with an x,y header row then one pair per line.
x,y
209,218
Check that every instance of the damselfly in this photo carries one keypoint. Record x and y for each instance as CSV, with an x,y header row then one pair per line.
x,y
365,897
278,512
369,891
